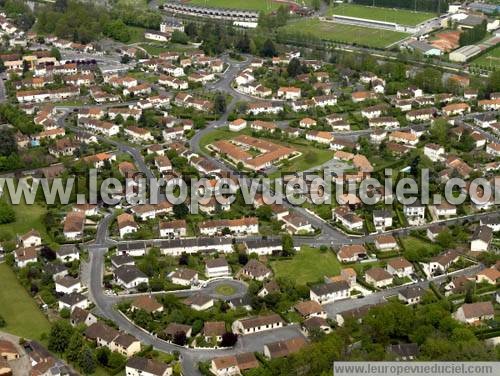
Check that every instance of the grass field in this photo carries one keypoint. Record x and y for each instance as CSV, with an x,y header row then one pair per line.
x,y
258,5
226,290
19,310
489,59
344,33
400,16
310,157
27,217
308,265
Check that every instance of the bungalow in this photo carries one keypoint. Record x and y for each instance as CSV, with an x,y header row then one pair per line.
x,y
491,222
256,108
126,224
360,96
68,285
199,302
263,246
138,134
67,253
163,164
488,275
263,126
439,264
284,348
138,366
400,267
184,277
411,294
383,122
321,137
257,324
385,242
422,114
474,313
146,303
173,82
403,137
255,270
352,253
73,225
237,125
373,112
72,301
307,123
233,364
81,316
129,276
493,148
213,330
295,223
329,292
247,225
445,209
120,260
31,239
24,256
378,277
310,308
347,218
456,109
489,104
173,229
481,239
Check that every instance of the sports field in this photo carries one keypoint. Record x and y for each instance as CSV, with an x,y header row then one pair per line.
x,y
341,33
400,16
489,59
258,5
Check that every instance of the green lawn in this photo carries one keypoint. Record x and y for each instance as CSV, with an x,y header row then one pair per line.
x,y
258,5
226,290
400,16
27,217
308,265
490,59
343,33
19,310
310,157
411,242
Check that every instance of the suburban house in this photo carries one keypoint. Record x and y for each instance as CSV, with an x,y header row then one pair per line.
x,y
129,276
378,277
184,277
385,242
329,292
439,264
351,253
255,270
218,267
310,308
411,294
400,267
233,364
474,313
481,240
138,366
257,324
173,229
282,349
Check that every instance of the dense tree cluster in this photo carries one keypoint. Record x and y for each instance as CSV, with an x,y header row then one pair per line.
x,y
19,12
471,36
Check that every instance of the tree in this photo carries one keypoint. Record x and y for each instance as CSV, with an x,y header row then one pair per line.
x,y
87,361
59,336
229,339
116,361
180,338
439,131
287,243
102,355
74,347
316,4
8,144
220,104
61,6
243,44
264,212
181,211
2,66
191,29
268,49
445,239
294,67
2,322
47,253
7,213
179,37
